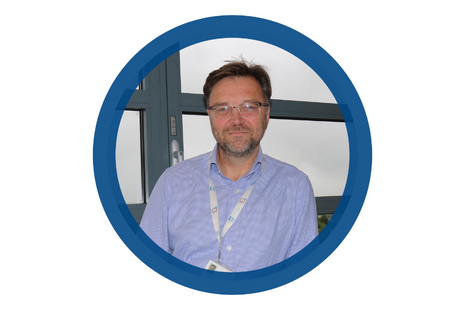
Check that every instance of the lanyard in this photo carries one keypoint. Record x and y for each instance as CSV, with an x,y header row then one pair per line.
x,y
234,213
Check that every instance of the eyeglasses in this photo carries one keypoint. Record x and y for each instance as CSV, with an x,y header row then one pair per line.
x,y
247,109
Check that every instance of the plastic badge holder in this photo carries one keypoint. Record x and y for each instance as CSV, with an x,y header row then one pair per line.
x,y
216,266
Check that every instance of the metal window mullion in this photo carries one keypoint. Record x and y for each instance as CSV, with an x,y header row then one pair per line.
x,y
173,90
156,126
285,109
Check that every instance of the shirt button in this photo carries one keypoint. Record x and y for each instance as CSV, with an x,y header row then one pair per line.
x,y
229,248
236,191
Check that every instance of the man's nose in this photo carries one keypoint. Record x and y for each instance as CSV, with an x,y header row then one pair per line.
x,y
236,117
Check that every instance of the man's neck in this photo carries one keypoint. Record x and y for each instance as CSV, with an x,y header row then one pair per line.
x,y
235,167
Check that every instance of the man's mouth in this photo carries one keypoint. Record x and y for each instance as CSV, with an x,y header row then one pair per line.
x,y
237,134
237,131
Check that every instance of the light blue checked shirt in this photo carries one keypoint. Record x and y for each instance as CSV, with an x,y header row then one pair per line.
x,y
278,220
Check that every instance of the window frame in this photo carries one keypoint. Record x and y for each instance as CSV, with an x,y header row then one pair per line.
x,y
160,98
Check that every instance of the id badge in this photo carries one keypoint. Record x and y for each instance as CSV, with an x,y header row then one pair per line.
x,y
217,266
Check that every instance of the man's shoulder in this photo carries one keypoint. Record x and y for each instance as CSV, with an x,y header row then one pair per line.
x,y
284,169
197,163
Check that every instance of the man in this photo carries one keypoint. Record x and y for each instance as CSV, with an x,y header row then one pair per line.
x,y
234,209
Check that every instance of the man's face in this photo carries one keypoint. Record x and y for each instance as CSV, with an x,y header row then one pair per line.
x,y
236,135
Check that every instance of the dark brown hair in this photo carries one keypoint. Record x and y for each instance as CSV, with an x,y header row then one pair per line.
x,y
239,69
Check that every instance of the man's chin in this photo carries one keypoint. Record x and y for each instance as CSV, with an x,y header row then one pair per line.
x,y
238,150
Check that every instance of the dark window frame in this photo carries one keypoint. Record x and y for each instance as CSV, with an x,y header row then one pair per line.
x,y
160,98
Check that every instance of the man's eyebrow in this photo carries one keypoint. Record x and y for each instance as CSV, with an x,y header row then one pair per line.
x,y
227,103
219,103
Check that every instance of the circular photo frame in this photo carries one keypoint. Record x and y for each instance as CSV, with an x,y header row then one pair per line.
x,y
359,148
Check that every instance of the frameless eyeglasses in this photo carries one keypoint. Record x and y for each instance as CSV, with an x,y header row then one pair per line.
x,y
247,109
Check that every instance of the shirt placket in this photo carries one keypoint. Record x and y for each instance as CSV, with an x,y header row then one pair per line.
x,y
230,243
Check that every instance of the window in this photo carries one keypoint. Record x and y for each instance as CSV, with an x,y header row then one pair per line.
x,y
291,78
129,161
323,157
306,127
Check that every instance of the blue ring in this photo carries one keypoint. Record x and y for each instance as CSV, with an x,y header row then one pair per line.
x,y
248,28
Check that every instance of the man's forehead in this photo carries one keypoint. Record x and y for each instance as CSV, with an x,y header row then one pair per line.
x,y
234,88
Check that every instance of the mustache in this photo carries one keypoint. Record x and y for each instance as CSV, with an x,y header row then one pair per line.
x,y
237,128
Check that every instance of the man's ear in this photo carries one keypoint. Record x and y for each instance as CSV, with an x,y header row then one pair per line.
x,y
267,112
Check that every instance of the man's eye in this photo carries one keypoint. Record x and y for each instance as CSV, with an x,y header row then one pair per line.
x,y
250,107
222,109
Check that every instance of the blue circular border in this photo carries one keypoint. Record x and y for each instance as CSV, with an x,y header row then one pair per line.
x,y
248,28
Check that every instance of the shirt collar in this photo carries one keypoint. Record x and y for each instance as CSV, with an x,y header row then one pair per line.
x,y
255,167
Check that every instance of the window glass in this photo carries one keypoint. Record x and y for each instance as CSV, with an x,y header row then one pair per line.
x,y
291,78
319,149
128,157
197,135
141,85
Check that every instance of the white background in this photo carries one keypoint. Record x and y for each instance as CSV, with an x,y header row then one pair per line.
x,y
58,61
